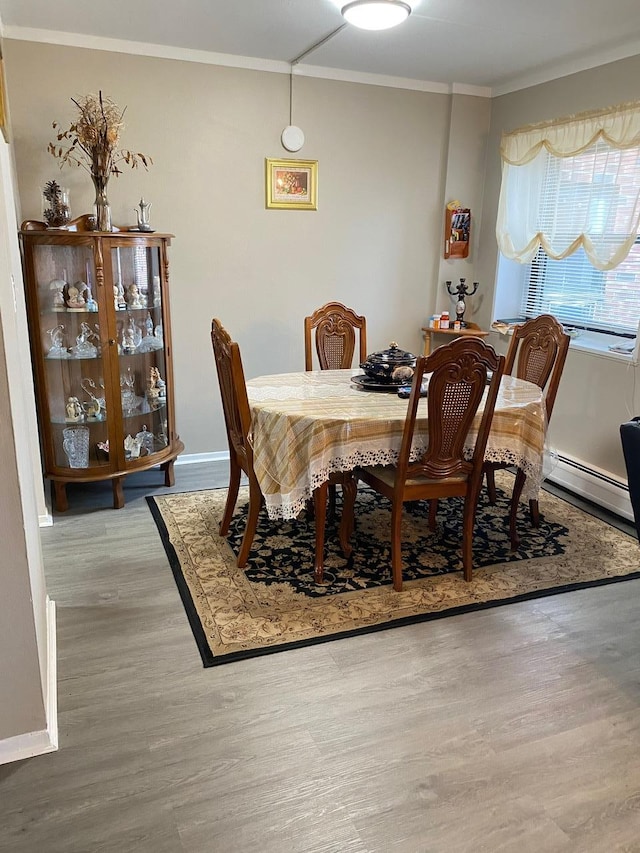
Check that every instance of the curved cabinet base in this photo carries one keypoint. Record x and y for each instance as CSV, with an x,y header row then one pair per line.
x,y
117,479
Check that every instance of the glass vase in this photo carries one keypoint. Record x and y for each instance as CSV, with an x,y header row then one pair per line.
x,y
101,204
55,205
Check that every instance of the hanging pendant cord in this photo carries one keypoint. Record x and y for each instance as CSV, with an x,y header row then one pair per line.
x,y
318,44
301,56
291,96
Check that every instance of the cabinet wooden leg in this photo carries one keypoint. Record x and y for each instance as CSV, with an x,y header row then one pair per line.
x,y
60,494
118,493
169,476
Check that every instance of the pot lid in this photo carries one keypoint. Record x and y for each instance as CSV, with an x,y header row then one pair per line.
x,y
393,355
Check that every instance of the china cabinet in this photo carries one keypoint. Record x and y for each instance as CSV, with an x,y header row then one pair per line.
x,y
99,326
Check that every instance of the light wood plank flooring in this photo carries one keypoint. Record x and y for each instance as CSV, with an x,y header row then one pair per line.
x,y
513,729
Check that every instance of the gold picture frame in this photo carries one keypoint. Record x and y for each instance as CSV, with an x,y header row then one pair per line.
x,y
292,184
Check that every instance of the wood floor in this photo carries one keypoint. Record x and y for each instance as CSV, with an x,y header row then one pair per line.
x,y
512,729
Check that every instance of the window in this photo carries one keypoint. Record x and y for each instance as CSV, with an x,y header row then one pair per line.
x,y
600,187
570,209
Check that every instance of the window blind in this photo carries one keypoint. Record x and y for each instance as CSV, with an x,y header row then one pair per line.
x,y
600,188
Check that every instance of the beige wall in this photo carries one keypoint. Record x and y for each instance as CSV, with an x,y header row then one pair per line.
x,y
24,662
467,153
596,394
374,242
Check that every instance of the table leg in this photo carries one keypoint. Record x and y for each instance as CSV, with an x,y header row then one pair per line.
x,y
320,511
513,514
427,343
349,492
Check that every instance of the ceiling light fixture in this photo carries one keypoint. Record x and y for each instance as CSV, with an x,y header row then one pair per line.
x,y
376,14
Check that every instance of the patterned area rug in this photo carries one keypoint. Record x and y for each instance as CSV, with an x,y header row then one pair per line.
x,y
274,604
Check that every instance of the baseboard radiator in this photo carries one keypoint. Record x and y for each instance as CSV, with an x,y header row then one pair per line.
x,y
592,484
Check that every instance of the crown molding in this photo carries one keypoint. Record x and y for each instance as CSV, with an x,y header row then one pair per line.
x,y
139,48
369,79
476,91
564,69
252,63
160,51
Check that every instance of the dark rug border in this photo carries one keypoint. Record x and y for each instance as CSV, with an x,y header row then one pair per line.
x,y
210,660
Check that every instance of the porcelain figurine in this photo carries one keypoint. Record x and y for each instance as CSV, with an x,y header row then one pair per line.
x,y
74,296
131,337
133,297
132,447
118,297
94,408
91,304
74,411
56,286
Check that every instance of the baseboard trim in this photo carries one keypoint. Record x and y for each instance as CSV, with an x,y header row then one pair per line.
x,y
45,520
30,744
594,485
52,675
193,458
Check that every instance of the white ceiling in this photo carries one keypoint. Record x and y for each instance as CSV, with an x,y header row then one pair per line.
x,y
498,45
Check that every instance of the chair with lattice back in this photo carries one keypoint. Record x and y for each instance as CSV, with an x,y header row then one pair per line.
x,y
457,385
537,353
237,419
335,328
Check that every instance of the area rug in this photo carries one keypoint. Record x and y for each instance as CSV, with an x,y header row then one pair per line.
x,y
273,604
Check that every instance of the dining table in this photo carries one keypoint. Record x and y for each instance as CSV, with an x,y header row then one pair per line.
x,y
309,427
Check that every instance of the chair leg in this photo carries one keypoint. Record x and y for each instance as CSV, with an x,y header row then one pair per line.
x,y
349,492
255,504
468,522
433,513
513,514
491,485
232,496
396,546
534,512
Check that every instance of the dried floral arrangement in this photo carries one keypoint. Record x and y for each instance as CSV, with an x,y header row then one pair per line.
x,y
93,139
57,213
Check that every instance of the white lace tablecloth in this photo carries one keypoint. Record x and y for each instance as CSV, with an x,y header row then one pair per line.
x,y
307,425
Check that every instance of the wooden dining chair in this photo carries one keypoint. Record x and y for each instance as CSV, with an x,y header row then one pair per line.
x,y
335,328
237,418
456,388
537,353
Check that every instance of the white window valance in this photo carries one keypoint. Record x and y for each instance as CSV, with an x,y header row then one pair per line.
x,y
571,183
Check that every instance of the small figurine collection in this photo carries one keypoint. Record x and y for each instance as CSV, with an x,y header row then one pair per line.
x,y
95,409
136,334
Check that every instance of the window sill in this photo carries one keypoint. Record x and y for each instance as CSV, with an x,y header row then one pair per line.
x,y
595,343
598,343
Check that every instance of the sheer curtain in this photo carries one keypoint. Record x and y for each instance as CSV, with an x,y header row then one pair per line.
x,y
572,183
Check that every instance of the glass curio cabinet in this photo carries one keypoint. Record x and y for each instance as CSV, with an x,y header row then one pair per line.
x,y
101,350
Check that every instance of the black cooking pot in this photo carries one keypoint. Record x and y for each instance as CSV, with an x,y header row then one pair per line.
x,y
390,365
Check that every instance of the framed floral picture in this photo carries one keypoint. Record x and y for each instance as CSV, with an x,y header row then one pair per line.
x,y
292,184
